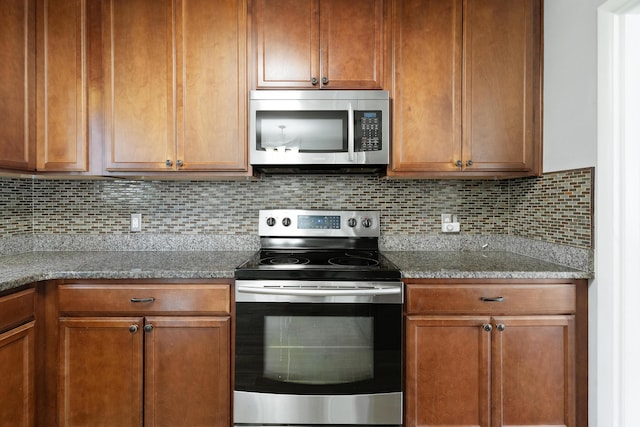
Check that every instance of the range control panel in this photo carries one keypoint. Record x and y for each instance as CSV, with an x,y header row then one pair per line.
x,y
317,223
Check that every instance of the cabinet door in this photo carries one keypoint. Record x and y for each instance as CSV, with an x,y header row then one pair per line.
x,y
17,84
533,371
211,84
139,128
502,79
17,365
447,371
187,372
100,381
351,44
286,38
426,86
62,94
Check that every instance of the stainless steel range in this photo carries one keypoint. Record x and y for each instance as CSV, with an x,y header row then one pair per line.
x,y
319,322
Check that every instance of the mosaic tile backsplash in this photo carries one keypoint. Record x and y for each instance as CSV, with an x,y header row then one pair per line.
x,y
556,208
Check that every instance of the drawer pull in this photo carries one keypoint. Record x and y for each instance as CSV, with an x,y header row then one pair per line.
x,y
152,299
496,299
487,327
133,329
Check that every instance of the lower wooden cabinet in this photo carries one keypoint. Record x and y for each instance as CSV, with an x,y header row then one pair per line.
x,y
163,367
17,360
499,364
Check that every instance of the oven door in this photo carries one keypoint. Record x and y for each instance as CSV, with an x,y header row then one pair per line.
x,y
307,356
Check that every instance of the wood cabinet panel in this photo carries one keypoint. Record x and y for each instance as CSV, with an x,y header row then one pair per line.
x,y
63,143
466,88
149,298
287,42
472,299
211,84
187,372
100,381
18,84
502,68
427,85
318,44
447,371
139,129
16,308
351,44
518,368
17,370
533,371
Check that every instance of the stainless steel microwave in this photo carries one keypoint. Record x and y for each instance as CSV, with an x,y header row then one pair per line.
x,y
319,130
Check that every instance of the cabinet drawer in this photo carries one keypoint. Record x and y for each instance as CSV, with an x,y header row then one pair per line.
x,y
144,298
16,309
491,299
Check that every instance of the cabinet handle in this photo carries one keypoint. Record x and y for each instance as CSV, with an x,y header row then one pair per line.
x,y
459,163
325,80
133,329
136,300
169,163
148,328
469,163
179,163
500,326
487,327
495,299
314,81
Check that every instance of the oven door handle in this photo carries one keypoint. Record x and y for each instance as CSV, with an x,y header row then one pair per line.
x,y
319,292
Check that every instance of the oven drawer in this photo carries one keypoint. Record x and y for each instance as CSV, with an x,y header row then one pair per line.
x,y
143,299
490,299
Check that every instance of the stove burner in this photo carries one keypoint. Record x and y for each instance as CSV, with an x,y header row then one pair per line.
x,y
360,254
284,260
353,261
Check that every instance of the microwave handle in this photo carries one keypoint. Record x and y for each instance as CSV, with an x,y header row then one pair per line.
x,y
350,134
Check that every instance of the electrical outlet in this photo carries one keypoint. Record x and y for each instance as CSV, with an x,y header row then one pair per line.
x,y
136,222
449,223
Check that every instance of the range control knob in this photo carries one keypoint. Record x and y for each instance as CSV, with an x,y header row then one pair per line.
x,y
352,222
271,221
366,222
286,222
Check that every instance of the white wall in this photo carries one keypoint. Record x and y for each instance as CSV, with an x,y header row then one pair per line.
x,y
570,84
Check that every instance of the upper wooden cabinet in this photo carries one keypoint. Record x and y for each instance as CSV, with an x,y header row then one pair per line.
x,y
330,44
43,46
17,84
174,85
466,88
62,106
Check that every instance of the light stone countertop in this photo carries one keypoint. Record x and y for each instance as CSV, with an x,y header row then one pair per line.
x,y
18,270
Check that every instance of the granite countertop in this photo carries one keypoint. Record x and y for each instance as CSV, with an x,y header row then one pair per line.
x,y
17,270
478,265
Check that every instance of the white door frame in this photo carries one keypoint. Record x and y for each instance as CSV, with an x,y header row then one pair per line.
x,y
614,295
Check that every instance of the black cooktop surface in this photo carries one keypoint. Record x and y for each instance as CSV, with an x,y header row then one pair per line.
x,y
348,264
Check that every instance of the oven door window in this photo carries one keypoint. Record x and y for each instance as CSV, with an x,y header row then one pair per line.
x,y
318,348
302,131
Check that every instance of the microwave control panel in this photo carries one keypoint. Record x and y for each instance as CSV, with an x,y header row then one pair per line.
x,y
368,130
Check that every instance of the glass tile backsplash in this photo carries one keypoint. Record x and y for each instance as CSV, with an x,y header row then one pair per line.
x,y
556,208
